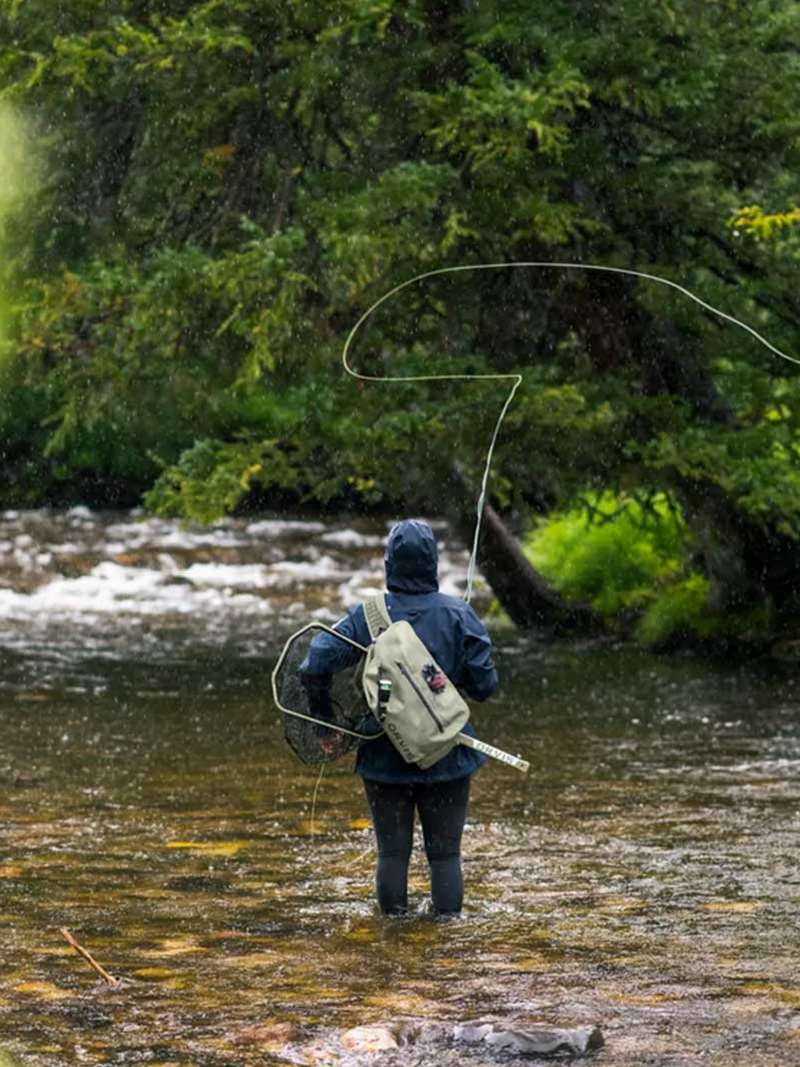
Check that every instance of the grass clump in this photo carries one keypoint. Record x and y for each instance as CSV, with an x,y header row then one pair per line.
x,y
631,560
613,551
680,615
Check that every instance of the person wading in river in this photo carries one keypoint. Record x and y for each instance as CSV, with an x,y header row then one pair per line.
x,y
458,641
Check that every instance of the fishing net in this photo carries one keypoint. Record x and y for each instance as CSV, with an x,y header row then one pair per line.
x,y
324,716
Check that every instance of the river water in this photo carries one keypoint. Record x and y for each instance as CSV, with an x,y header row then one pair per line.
x,y
643,877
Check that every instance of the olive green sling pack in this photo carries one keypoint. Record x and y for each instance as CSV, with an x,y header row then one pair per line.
x,y
412,698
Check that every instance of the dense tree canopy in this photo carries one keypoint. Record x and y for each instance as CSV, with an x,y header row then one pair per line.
x,y
221,189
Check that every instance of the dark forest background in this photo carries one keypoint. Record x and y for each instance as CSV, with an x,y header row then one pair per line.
x,y
200,199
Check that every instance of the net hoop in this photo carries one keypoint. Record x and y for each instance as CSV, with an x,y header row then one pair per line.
x,y
299,714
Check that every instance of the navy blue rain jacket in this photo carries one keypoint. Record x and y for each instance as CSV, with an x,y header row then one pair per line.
x,y
449,628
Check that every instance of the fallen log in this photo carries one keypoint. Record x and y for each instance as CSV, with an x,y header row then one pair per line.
x,y
525,595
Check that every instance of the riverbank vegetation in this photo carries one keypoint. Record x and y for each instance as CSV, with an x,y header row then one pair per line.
x,y
219,191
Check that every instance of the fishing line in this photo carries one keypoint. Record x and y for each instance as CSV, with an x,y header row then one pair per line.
x,y
516,379
312,831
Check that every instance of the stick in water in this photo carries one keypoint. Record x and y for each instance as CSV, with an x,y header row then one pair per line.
x,y
90,959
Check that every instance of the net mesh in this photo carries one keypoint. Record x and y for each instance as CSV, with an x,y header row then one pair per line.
x,y
338,699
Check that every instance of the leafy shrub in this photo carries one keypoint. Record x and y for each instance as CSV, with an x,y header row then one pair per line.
x,y
677,614
613,551
680,614
629,558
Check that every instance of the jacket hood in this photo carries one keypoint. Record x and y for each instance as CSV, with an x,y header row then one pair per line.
x,y
411,558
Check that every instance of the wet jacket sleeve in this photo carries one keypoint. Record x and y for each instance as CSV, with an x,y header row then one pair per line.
x,y
478,677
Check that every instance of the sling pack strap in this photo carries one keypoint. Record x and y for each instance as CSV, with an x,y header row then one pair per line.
x,y
377,615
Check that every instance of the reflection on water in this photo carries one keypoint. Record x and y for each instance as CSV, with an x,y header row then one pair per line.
x,y
643,876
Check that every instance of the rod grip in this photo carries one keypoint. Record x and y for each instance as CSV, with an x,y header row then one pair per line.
x,y
516,762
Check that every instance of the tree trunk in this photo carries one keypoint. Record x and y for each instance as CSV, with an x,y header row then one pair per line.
x,y
526,596
745,560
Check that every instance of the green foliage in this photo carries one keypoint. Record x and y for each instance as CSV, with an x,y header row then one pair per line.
x,y
364,232
764,226
211,479
614,552
18,184
630,558
680,615
759,466
222,189
504,121
677,614
128,360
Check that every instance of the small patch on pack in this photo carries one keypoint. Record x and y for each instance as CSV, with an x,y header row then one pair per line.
x,y
436,679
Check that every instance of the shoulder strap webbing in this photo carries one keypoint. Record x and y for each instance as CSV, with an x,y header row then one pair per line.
x,y
377,615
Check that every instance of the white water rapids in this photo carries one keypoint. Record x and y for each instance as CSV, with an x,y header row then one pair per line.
x,y
77,583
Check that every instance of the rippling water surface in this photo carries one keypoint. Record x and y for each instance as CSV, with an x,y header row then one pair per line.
x,y
644,876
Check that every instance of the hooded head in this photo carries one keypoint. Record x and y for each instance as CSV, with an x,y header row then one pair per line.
x,y
411,558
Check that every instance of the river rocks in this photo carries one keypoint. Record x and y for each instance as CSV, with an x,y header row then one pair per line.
x,y
534,1039
271,1035
379,1037
496,1039
420,1042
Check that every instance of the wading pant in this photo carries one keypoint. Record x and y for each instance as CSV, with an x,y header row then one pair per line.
x,y
442,810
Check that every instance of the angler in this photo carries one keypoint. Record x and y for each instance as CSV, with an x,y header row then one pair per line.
x,y
396,789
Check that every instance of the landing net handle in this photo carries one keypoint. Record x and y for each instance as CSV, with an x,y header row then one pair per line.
x,y
516,762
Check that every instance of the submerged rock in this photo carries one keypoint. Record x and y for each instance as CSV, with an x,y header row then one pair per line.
x,y
374,1037
507,1039
420,1042
535,1039
273,1034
